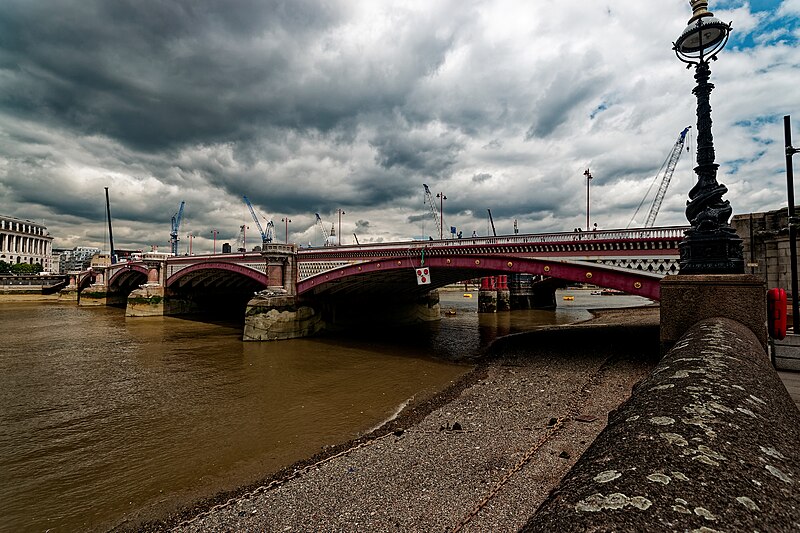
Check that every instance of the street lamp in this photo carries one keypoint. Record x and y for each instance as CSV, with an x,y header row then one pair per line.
x,y
286,220
588,179
711,245
215,240
441,198
340,225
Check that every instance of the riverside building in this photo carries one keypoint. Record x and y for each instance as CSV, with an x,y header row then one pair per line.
x,y
23,241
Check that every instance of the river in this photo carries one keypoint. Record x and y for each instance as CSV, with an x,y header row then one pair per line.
x,y
104,418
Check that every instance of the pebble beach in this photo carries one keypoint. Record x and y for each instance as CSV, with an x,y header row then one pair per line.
x,y
480,456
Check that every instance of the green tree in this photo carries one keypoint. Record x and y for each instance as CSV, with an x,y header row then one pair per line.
x,y
5,268
22,268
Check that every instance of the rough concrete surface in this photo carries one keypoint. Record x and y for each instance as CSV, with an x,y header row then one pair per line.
x,y
709,442
481,456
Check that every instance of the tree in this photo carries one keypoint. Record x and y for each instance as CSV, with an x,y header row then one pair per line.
x,y
5,268
24,268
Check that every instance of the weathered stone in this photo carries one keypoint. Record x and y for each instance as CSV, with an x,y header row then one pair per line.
x,y
716,467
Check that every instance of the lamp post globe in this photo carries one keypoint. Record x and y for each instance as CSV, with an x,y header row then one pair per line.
x,y
711,245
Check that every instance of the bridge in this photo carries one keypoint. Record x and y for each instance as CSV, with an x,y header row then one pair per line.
x,y
333,281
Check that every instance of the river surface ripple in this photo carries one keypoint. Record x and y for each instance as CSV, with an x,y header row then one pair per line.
x,y
103,418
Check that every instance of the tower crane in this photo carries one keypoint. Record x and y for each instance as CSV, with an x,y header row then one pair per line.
x,y
429,200
668,168
325,235
176,225
266,235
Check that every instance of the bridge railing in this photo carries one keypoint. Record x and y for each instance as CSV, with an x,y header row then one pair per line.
x,y
639,234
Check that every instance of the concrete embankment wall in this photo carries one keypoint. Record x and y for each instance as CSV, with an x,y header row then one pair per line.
x,y
711,439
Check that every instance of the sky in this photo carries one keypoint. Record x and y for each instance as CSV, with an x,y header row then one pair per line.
x,y
310,106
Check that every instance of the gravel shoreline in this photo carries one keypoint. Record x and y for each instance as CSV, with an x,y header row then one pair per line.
x,y
481,455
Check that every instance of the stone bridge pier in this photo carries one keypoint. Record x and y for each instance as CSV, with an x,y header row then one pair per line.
x,y
277,313
517,291
149,299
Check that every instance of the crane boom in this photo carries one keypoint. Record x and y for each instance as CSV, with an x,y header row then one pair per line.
x,y
255,219
668,168
429,200
322,229
672,162
176,226
492,221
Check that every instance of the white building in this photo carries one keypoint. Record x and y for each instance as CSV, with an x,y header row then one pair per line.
x,y
23,241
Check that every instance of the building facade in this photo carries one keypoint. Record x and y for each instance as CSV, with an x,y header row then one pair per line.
x,y
23,241
77,259
766,246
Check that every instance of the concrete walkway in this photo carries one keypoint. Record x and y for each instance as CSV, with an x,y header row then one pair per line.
x,y
791,380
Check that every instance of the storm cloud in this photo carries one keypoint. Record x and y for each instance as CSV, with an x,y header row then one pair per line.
x,y
310,106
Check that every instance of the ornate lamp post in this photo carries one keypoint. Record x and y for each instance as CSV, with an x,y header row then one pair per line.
x,y
711,245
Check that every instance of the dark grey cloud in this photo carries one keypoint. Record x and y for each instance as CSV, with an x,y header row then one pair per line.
x,y
312,106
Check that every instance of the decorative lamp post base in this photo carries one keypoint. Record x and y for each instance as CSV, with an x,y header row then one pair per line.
x,y
711,252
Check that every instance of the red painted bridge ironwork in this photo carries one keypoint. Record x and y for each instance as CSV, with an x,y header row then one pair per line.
x,y
629,260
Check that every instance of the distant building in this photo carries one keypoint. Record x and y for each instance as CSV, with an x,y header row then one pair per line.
x,y
23,241
76,260
124,256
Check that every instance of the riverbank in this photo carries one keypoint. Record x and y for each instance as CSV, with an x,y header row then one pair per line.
x,y
483,454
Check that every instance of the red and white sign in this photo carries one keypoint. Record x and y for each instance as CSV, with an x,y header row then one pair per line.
x,y
423,276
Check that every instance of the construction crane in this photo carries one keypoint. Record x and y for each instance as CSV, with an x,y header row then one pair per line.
x,y
266,235
668,168
241,240
322,229
491,220
176,226
429,200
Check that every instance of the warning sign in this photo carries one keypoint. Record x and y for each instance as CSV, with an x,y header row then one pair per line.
x,y
423,276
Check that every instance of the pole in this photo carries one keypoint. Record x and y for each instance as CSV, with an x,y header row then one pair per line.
x,y
215,240
286,220
441,198
588,179
340,225
110,234
790,151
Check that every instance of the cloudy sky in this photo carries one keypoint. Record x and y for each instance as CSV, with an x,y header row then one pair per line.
x,y
311,106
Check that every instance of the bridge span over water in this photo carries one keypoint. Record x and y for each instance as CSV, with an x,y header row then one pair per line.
x,y
633,261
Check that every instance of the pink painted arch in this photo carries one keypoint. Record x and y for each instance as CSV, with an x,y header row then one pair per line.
x,y
219,266
635,282
126,270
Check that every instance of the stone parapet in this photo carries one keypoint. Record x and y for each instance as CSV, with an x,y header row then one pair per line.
x,y
708,442
686,300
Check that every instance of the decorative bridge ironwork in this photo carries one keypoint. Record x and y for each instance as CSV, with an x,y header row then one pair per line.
x,y
629,260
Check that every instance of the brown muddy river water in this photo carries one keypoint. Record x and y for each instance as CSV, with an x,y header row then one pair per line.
x,y
103,418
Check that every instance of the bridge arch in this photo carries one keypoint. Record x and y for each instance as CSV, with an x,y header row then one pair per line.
x,y
398,275
217,274
127,278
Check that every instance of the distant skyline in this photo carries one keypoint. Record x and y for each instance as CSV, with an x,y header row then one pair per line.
x,y
308,107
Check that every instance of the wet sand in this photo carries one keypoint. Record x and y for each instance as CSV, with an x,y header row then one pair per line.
x,y
481,455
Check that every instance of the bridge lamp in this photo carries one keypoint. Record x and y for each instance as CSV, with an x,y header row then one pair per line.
x,y
286,221
340,212
711,245
441,198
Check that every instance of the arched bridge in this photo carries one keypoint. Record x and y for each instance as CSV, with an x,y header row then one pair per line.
x,y
629,260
